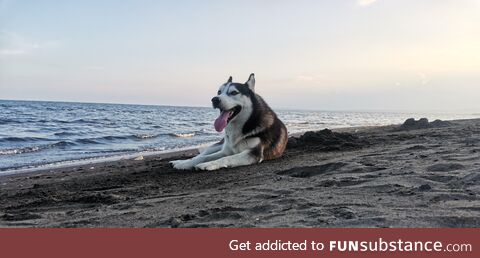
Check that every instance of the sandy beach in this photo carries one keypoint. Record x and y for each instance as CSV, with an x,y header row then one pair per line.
x,y
418,175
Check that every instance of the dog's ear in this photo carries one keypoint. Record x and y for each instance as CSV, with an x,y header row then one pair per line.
x,y
251,82
230,79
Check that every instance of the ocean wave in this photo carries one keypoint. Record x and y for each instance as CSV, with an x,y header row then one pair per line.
x,y
64,134
183,135
114,137
21,139
57,121
7,121
206,131
60,144
75,121
202,123
29,149
87,141
19,150
145,136
135,137
82,121
98,140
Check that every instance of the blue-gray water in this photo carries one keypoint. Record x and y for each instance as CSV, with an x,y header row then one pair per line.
x,y
34,133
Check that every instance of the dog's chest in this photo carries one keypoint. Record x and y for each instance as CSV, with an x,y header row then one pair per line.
x,y
235,141
233,137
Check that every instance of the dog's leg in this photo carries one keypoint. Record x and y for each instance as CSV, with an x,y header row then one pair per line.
x,y
212,148
240,159
209,150
190,163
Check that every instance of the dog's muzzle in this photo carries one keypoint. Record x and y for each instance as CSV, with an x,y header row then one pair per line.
x,y
216,102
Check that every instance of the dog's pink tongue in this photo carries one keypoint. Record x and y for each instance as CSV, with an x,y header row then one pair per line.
x,y
221,121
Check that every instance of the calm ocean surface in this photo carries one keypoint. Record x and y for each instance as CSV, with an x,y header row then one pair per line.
x,y
34,133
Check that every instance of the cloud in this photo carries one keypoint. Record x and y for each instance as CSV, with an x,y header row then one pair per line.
x,y
365,2
13,44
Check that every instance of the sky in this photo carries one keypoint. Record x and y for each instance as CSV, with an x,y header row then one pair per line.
x,y
323,55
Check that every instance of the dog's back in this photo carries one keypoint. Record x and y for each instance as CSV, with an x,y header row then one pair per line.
x,y
264,124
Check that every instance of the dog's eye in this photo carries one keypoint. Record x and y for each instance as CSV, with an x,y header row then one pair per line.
x,y
233,93
219,92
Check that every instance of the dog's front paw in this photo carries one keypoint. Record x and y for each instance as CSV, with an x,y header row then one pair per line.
x,y
212,165
175,162
182,164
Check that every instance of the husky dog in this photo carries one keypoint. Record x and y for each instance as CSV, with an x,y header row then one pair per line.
x,y
253,132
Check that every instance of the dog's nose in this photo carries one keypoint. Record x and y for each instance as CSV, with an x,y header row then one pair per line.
x,y
216,102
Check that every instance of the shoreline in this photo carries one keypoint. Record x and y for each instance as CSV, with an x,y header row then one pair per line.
x,y
98,160
355,177
163,154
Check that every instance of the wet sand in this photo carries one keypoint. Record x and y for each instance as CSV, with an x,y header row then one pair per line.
x,y
416,175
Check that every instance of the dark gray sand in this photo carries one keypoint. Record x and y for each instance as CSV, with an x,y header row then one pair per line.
x,y
360,177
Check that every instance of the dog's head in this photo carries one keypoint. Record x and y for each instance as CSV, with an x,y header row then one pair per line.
x,y
232,99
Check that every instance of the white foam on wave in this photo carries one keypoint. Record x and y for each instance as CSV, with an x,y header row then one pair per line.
x,y
183,135
19,150
145,136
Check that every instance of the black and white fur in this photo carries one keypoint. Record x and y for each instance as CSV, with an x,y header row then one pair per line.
x,y
253,132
